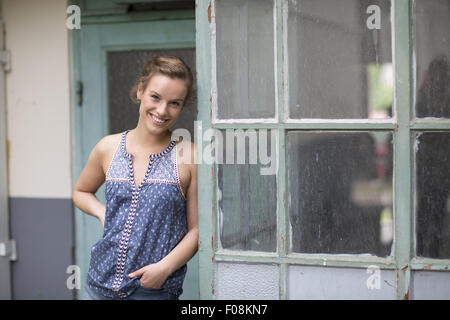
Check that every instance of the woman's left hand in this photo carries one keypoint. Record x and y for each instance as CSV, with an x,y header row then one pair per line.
x,y
152,276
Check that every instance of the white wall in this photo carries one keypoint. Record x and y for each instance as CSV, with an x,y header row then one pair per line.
x,y
38,98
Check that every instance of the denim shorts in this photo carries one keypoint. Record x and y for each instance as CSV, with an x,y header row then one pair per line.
x,y
141,293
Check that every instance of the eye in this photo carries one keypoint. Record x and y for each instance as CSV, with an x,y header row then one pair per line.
x,y
154,97
176,104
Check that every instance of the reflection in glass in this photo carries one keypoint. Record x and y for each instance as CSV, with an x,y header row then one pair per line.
x,y
340,192
433,98
432,168
432,47
340,61
245,59
247,200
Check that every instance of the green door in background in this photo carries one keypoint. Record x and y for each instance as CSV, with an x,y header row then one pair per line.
x,y
108,53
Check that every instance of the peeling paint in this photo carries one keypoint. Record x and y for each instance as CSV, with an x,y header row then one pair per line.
x,y
406,271
209,13
210,109
417,142
427,267
406,296
396,278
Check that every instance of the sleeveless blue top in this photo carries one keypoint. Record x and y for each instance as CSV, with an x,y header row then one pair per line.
x,y
142,224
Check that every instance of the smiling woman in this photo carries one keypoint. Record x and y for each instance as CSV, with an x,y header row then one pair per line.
x,y
150,219
161,101
162,89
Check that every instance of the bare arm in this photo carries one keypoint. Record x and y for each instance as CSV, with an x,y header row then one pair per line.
x,y
187,247
90,179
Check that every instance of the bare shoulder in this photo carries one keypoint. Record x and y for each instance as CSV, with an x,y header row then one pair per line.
x,y
106,148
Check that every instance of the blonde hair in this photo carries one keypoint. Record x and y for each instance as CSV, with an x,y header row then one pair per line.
x,y
171,66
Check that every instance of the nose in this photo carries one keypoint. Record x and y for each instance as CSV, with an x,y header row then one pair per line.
x,y
162,108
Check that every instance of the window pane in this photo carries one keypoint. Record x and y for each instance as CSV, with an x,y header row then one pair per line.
x,y
430,285
320,283
245,59
239,281
432,167
340,61
247,198
340,192
432,45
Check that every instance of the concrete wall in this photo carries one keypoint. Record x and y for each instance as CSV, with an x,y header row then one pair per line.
x,y
38,100
39,141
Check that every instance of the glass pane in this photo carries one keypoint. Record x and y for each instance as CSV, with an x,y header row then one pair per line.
x,y
432,168
432,46
247,197
319,283
239,281
340,61
430,285
245,59
340,192
124,67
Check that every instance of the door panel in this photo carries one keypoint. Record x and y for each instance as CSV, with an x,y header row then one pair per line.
x,y
102,52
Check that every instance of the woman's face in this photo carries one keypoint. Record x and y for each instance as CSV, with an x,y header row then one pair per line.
x,y
161,102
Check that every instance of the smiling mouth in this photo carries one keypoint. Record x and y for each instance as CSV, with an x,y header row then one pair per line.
x,y
158,121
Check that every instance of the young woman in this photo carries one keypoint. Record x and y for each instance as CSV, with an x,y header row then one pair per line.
x,y
150,224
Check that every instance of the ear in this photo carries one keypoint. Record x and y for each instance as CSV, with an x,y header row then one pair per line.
x,y
139,92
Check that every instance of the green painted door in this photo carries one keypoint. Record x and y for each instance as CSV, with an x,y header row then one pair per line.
x,y
352,210
108,53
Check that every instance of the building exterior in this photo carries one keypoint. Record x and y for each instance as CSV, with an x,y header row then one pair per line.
x,y
331,125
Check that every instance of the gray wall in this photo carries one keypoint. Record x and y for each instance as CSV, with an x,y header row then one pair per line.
x,y
43,230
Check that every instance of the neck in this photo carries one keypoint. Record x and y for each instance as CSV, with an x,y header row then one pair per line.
x,y
148,141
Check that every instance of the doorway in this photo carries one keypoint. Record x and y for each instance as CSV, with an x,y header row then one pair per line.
x,y
109,52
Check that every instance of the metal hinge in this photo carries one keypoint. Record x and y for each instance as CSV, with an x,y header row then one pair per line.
x,y
8,249
5,59
79,93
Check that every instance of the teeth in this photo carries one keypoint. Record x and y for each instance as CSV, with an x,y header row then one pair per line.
x,y
157,119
